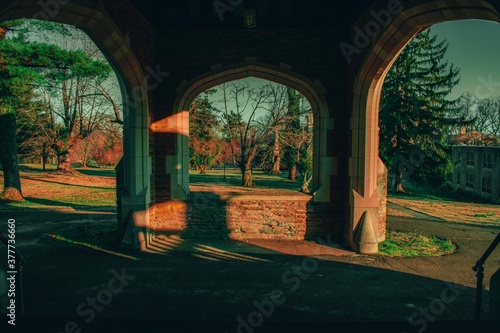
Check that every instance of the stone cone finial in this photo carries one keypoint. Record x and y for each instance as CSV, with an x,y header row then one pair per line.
x,y
368,243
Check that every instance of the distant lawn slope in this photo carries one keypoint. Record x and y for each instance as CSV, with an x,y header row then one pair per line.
x,y
93,187
449,206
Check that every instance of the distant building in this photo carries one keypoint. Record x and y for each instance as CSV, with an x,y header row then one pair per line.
x,y
477,171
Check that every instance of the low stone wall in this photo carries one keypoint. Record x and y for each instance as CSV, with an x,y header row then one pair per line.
x,y
235,216
267,217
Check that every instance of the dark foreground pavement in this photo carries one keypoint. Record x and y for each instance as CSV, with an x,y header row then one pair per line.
x,y
74,283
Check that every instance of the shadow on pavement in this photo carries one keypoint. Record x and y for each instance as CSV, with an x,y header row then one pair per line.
x,y
60,280
66,282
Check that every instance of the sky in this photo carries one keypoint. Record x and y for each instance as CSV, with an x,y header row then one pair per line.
x,y
474,47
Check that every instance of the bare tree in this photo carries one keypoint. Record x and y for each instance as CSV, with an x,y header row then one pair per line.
x,y
82,103
299,143
489,116
277,108
242,124
483,115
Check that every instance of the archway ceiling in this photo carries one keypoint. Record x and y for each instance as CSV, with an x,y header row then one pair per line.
x,y
299,14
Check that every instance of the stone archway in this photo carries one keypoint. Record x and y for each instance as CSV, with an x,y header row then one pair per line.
x,y
367,89
323,166
92,18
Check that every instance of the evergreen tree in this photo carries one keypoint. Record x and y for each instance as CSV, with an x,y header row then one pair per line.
x,y
24,67
204,139
413,112
16,94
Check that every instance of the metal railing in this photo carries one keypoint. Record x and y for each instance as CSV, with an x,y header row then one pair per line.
x,y
480,275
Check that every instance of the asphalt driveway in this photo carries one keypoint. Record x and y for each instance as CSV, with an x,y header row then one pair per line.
x,y
73,283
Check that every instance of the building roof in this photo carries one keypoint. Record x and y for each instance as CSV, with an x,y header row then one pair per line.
x,y
475,139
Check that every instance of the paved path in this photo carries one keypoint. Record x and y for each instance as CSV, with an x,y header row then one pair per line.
x,y
224,281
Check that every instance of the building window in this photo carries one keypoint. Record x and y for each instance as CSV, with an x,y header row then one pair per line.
x,y
486,184
469,180
487,161
458,178
470,158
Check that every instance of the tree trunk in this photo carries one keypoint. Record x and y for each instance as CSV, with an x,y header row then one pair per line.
x,y
246,166
398,183
63,164
63,151
276,165
44,163
8,158
306,182
292,175
203,169
276,154
247,179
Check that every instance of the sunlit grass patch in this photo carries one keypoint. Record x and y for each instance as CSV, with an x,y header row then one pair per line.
x,y
453,211
410,244
49,189
231,179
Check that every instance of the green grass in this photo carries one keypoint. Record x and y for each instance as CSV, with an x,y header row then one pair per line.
x,y
429,193
76,198
262,179
410,244
90,188
490,214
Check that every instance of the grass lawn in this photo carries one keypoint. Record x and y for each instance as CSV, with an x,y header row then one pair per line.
x,y
449,206
214,179
96,188
91,187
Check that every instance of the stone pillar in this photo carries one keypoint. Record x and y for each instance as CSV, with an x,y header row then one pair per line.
x,y
494,309
134,170
177,161
325,166
382,183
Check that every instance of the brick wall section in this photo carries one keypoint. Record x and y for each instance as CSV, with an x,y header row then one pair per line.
x,y
208,215
281,217
170,216
324,220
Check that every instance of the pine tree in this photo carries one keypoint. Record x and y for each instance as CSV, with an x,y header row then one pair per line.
x,y
16,93
24,67
204,141
413,112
